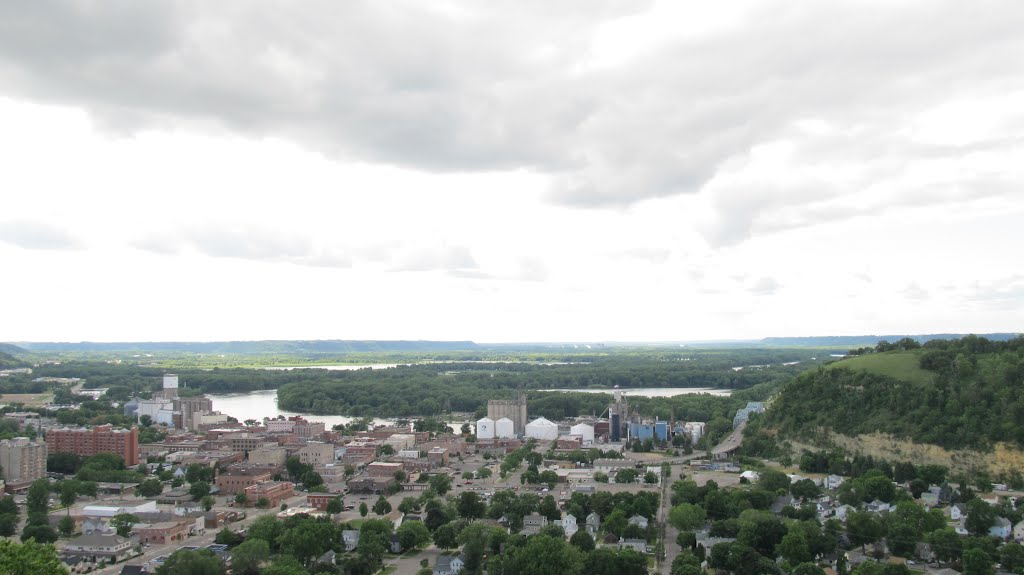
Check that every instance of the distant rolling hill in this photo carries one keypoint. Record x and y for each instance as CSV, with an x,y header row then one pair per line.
x,y
8,361
254,347
11,349
854,341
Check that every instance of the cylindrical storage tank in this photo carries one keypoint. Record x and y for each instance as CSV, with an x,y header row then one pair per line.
x,y
504,428
541,428
585,431
485,428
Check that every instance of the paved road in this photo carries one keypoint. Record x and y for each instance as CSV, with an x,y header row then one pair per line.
x,y
730,443
409,564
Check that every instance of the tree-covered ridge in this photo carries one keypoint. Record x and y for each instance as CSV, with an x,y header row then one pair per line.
x,y
973,399
8,361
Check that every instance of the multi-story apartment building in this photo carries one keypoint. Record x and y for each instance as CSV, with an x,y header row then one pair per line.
x,y
22,461
88,441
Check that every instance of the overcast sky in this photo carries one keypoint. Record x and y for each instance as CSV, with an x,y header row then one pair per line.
x,y
510,171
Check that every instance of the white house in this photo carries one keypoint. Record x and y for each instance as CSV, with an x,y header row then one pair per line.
x,y
1018,531
594,523
958,512
1001,528
833,482
638,520
350,537
843,510
448,565
568,524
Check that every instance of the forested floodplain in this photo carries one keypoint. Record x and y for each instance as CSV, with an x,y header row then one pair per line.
x,y
438,385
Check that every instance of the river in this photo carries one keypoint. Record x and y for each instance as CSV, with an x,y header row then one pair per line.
x,y
260,404
263,403
652,391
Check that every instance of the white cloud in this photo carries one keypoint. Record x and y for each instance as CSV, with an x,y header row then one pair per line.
x,y
630,171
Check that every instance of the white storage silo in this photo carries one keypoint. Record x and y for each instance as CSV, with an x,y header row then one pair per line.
x,y
541,428
585,431
485,428
504,428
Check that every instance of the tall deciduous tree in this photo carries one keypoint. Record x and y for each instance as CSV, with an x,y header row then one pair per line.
x,y
29,558
247,558
199,562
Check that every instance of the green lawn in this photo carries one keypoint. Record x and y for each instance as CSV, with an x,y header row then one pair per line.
x,y
902,365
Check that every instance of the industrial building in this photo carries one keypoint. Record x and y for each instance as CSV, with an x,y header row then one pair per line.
x,y
513,409
504,428
485,428
541,428
584,431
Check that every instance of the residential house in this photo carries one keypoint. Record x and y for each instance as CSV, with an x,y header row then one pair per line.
x,y
96,525
639,544
533,523
350,537
923,551
638,520
1002,528
833,482
705,540
843,510
96,547
958,511
781,503
878,507
568,524
327,558
594,523
448,565
1018,531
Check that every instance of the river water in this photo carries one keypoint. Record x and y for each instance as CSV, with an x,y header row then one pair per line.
x,y
653,391
259,404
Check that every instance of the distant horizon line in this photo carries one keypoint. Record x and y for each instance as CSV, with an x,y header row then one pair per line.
x,y
651,342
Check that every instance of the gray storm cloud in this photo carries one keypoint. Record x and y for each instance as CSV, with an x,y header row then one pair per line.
x,y
513,86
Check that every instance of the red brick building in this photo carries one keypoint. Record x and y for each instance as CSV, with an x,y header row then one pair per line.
x,y
320,500
236,479
86,442
161,533
383,469
274,491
